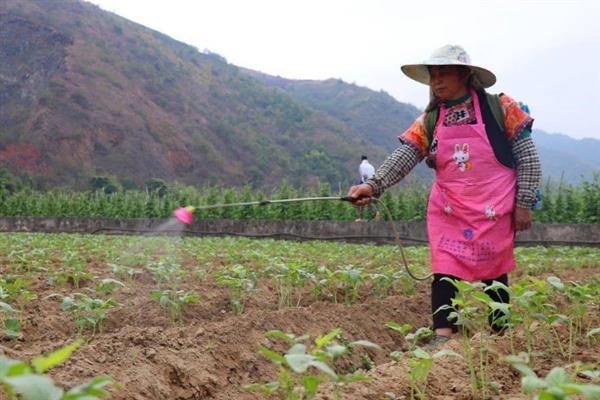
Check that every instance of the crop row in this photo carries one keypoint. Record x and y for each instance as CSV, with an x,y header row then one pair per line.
x,y
562,203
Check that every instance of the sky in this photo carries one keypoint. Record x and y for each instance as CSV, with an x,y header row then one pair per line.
x,y
544,53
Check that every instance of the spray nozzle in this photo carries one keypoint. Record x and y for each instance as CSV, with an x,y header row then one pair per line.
x,y
184,214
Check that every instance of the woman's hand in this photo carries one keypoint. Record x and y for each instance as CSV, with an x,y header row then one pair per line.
x,y
522,219
364,190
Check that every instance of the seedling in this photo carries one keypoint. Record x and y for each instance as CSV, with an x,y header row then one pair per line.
x,y
173,301
419,361
557,385
88,312
241,282
20,380
295,382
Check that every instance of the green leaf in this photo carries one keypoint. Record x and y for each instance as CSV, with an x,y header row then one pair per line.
x,y
323,367
6,307
12,328
91,390
298,348
557,376
34,387
593,332
324,340
483,297
556,282
420,353
532,383
43,364
524,369
403,329
299,362
311,384
446,353
336,350
281,335
9,367
365,343
270,354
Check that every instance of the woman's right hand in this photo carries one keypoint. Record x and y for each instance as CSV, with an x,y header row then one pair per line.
x,y
364,191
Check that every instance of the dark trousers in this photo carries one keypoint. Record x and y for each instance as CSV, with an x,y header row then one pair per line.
x,y
442,293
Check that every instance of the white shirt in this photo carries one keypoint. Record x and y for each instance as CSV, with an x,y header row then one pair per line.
x,y
366,170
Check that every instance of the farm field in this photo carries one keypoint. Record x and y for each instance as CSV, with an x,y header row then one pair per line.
x,y
203,318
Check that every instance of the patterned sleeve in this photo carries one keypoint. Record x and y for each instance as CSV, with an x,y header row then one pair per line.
x,y
416,136
394,168
515,119
529,171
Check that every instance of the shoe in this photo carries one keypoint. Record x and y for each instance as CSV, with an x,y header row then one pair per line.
x,y
437,341
359,220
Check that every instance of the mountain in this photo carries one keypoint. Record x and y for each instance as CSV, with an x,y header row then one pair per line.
x,y
86,92
562,156
375,116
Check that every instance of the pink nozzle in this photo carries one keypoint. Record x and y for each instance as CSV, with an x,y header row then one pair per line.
x,y
184,214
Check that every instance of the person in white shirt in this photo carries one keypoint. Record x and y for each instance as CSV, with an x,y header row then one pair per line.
x,y
366,171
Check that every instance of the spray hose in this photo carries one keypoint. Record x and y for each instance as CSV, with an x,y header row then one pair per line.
x,y
184,214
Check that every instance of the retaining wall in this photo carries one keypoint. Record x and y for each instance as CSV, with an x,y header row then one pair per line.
x,y
358,232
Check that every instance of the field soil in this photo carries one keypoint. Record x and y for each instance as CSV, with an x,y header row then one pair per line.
x,y
213,353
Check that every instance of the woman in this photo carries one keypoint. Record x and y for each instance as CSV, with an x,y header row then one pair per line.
x,y
486,171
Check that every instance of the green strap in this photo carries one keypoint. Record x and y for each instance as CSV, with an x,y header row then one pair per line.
x,y
496,108
493,101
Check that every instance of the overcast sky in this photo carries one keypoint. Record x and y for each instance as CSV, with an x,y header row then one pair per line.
x,y
544,53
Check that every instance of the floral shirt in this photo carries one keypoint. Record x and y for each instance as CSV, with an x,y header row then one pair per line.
x,y
515,122
415,147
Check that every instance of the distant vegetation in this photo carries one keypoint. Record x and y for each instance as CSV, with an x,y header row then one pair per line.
x,y
106,197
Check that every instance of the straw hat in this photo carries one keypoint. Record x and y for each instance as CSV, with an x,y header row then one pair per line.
x,y
448,55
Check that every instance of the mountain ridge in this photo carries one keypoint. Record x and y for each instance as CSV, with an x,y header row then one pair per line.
x,y
85,92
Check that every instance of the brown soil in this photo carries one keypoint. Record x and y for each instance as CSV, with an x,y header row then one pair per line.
x,y
214,352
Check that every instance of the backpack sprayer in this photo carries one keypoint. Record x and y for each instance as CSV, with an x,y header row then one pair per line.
x,y
184,214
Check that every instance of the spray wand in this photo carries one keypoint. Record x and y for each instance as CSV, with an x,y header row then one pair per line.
x,y
184,214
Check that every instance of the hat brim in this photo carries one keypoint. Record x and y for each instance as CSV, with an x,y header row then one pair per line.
x,y
420,72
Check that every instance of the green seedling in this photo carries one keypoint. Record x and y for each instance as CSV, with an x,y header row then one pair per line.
x,y
557,385
470,310
88,312
173,301
350,278
290,280
124,271
419,361
241,282
109,286
295,380
20,380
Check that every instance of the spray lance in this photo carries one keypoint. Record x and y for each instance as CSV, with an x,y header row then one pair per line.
x,y
184,214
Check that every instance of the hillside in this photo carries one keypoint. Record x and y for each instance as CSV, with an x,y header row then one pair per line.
x,y
86,92
375,116
562,156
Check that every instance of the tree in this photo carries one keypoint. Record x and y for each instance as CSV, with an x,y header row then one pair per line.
x,y
108,184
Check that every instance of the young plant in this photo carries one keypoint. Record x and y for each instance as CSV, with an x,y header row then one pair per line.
x,y
20,380
108,286
173,301
557,385
295,382
349,279
470,310
241,282
88,312
419,361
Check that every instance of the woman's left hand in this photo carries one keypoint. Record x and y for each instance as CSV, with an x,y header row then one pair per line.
x,y
522,219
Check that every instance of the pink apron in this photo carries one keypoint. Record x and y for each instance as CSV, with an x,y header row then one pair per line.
x,y
469,217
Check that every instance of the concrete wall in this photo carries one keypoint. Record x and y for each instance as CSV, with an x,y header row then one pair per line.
x,y
359,232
